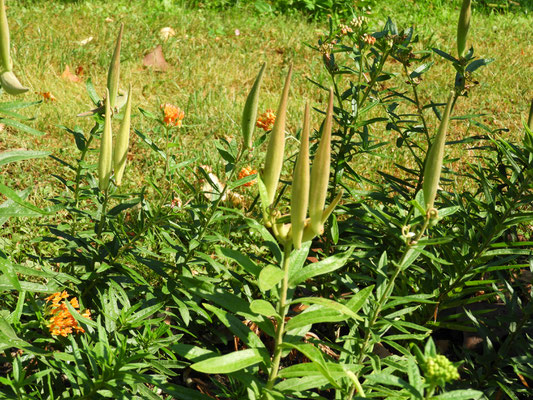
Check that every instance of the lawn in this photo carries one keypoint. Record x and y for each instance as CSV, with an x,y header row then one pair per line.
x,y
407,276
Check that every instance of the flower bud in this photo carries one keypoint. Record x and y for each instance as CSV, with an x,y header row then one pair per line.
x,y
300,185
435,157
106,149
120,152
5,57
320,172
276,146
114,70
249,114
463,26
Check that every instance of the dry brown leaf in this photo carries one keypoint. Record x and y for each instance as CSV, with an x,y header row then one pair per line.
x,y
156,60
68,75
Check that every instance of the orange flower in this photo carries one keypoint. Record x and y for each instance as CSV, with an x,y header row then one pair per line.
x,y
266,120
172,115
47,95
369,39
61,321
247,171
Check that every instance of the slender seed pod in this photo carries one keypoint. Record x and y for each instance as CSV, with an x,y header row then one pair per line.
x,y
463,27
7,64
300,185
530,119
327,212
105,160
120,152
11,84
113,74
434,158
320,171
276,145
249,115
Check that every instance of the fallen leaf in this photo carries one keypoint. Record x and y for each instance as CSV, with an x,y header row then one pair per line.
x,y
109,19
79,71
85,41
166,33
155,59
69,75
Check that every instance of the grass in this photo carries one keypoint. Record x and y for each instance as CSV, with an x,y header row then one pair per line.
x,y
211,68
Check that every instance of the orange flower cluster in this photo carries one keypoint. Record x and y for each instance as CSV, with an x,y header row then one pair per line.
x,y
247,171
172,115
266,120
61,320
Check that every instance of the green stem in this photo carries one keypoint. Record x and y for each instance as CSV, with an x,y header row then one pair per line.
x,y
283,307
214,208
383,298
104,212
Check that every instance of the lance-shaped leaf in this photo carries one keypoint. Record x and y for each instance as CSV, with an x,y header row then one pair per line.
x,y
120,152
463,26
320,172
5,56
276,145
249,115
300,185
106,149
114,70
434,158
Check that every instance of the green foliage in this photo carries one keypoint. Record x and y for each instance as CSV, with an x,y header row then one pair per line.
x,y
193,295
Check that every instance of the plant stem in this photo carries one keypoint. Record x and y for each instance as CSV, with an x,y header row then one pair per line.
x,y
283,307
384,296
104,212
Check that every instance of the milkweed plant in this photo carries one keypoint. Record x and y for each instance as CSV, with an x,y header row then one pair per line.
x,y
344,257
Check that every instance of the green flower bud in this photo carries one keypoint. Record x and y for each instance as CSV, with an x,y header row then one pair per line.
x,y
7,64
300,185
114,70
434,158
106,148
440,369
249,115
320,172
120,152
463,27
276,146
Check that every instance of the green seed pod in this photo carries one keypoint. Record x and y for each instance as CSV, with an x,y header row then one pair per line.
x,y
320,171
114,70
105,160
463,27
276,145
249,115
300,185
120,152
434,158
7,64
11,84
530,119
